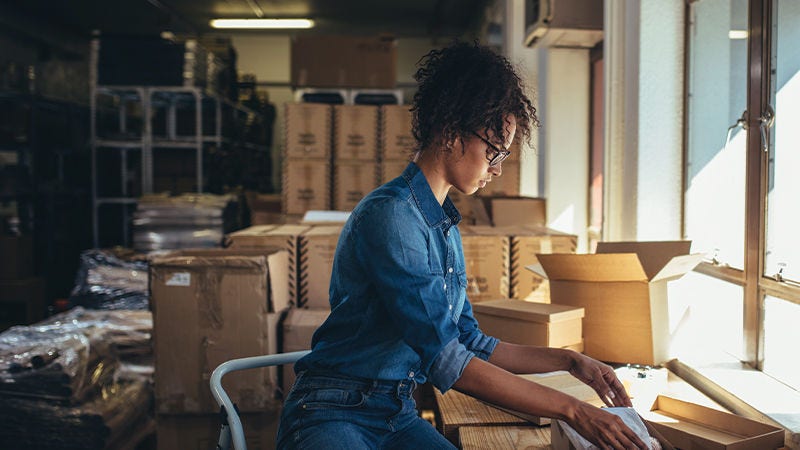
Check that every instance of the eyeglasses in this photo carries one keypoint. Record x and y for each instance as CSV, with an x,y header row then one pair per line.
x,y
499,155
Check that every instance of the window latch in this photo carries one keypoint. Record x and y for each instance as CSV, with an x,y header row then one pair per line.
x,y
766,120
740,122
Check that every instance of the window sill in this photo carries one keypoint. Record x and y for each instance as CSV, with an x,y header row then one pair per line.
x,y
745,391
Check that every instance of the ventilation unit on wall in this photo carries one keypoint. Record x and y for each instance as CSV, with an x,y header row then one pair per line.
x,y
563,23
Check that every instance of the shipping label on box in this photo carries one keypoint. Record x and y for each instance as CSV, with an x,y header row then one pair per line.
x,y
298,330
397,140
526,323
317,248
308,130
352,181
526,242
207,310
624,294
355,134
486,255
306,185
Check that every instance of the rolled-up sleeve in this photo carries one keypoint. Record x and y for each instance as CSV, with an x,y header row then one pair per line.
x,y
471,335
394,248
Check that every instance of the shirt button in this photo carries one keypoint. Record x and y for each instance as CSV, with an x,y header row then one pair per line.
x,y
447,233
411,374
451,307
445,286
450,270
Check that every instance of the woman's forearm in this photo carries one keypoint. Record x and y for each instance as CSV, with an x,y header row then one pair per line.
x,y
528,359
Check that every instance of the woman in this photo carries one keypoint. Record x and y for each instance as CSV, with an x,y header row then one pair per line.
x,y
399,312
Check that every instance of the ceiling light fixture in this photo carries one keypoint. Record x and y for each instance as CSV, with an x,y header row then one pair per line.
x,y
262,23
737,34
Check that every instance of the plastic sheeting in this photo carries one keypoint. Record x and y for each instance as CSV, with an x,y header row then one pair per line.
x,y
105,280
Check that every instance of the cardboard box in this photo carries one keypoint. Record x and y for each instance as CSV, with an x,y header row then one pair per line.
x,y
472,209
22,302
308,130
16,257
486,254
264,208
391,169
506,184
526,242
344,61
352,181
271,236
519,322
355,132
517,211
688,425
623,288
397,140
306,185
317,248
201,432
564,437
298,330
208,309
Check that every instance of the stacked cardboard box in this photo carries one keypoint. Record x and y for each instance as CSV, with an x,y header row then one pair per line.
x,y
526,243
210,306
22,296
486,255
298,330
525,323
316,250
355,167
397,141
344,61
307,159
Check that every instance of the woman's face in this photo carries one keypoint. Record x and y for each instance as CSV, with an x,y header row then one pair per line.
x,y
470,170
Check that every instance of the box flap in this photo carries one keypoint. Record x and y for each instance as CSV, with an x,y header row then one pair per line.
x,y
607,267
529,311
654,255
678,266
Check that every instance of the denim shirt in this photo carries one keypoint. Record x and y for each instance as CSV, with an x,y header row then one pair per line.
x,y
399,308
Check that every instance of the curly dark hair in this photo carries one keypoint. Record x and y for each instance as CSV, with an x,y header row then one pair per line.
x,y
466,88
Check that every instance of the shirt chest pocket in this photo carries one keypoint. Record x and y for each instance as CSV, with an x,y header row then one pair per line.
x,y
457,293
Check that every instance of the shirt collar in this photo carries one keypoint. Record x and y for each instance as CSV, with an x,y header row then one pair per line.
x,y
445,215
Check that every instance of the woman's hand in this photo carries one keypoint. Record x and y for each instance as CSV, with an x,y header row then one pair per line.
x,y
600,377
604,429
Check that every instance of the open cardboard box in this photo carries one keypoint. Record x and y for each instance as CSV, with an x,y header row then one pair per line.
x,y
623,288
689,426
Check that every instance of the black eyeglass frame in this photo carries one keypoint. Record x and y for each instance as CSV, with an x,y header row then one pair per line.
x,y
499,155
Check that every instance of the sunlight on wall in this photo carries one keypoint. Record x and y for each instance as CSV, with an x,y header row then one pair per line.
x,y
565,221
780,340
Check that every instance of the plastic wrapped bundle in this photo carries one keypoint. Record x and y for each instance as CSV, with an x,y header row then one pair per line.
x,y
107,281
185,221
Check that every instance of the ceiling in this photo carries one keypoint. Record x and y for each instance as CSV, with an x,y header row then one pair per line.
x,y
417,18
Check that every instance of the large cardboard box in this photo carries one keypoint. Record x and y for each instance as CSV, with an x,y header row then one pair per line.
x,y
306,185
270,236
298,330
265,209
506,184
526,243
211,306
392,168
486,254
344,61
352,181
355,132
201,431
623,288
397,140
16,257
472,208
317,248
308,130
22,302
513,211
689,425
526,323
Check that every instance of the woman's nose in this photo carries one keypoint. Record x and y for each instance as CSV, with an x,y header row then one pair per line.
x,y
497,170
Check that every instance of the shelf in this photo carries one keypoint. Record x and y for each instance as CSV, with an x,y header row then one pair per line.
x,y
116,200
112,143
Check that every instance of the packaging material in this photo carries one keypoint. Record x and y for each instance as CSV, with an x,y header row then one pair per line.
x,y
472,208
298,330
392,168
355,132
486,254
22,301
623,288
268,236
511,211
563,382
308,130
643,383
207,310
352,181
506,184
688,425
344,61
564,437
519,322
306,185
16,257
397,140
316,248
185,221
526,243
107,281
201,431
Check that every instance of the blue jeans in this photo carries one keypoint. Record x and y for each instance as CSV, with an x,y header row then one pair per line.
x,y
335,412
